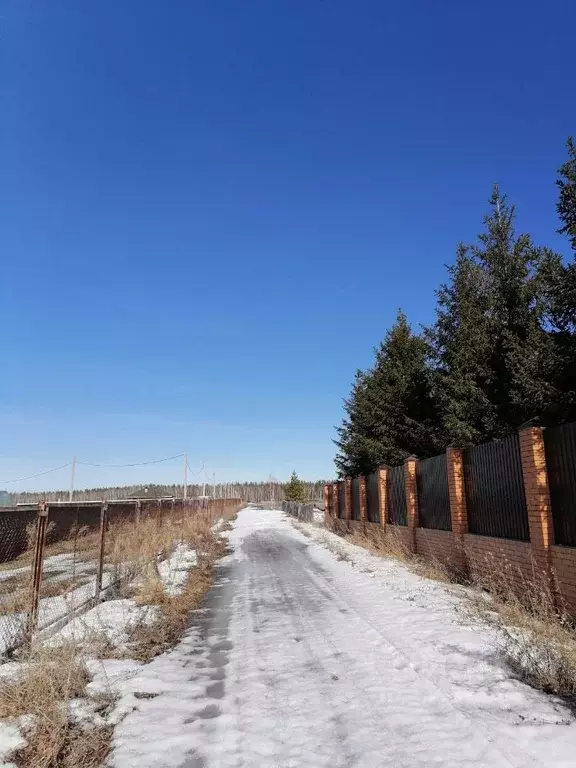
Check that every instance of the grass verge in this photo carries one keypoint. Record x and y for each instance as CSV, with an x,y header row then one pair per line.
x,y
534,633
40,690
51,678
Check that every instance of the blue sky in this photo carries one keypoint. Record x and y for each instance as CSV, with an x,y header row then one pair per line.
x,y
210,211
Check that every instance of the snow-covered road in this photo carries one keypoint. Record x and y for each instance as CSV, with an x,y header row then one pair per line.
x,y
313,655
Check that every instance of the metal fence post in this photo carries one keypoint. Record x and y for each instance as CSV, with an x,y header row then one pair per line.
x,y
41,526
103,527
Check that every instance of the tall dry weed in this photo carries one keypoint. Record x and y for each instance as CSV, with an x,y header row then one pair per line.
x,y
46,680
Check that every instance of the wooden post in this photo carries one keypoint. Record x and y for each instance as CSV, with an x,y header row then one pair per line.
x,y
103,527
40,544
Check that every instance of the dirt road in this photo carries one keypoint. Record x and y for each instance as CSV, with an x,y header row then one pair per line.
x,y
314,653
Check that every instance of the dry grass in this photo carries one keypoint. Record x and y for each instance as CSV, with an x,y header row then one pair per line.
x,y
20,600
84,542
535,634
137,557
47,675
50,676
150,640
45,683
391,544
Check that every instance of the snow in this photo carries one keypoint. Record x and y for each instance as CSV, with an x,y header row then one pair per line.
x,y
174,571
318,516
10,740
53,609
313,652
111,621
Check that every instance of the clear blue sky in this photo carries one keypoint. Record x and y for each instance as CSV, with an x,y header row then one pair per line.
x,y
210,211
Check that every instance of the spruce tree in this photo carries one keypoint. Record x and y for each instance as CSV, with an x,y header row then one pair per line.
x,y
462,344
295,490
559,287
566,206
561,278
390,412
495,364
522,359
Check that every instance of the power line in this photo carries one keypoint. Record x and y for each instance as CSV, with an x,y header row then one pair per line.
x,y
191,470
38,474
138,464
89,464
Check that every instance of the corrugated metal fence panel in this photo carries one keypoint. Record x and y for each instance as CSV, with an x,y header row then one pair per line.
x,y
341,500
495,490
356,498
397,514
560,444
373,498
433,495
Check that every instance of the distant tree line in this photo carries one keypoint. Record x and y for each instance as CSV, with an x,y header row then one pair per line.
x,y
501,353
270,490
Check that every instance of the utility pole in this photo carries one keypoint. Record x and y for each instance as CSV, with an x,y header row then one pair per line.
x,y
185,475
214,484
71,494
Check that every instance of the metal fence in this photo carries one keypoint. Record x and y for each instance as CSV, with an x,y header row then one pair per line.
x,y
342,500
356,498
433,494
397,513
58,558
495,490
560,446
373,498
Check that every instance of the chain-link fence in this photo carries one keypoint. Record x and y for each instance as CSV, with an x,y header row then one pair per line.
x,y
17,532
57,559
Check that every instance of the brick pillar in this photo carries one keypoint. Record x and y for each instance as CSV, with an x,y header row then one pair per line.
x,y
363,502
458,511
348,483
411,499
457,491
327,505
537,495
336,499
383,495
